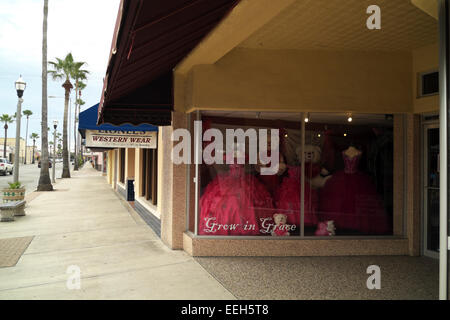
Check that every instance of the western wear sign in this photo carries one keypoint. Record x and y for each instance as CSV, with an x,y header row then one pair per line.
x,y
121,139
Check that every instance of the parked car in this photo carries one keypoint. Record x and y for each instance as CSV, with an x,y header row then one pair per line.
x,y
6,166
49,164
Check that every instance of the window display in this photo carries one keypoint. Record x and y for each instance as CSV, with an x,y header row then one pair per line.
x,y
347,184
288,196
350,199
233,203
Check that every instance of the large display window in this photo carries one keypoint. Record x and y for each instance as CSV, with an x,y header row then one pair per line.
x,y
334,176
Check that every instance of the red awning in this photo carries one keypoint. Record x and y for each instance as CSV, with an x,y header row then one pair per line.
x,y
151,37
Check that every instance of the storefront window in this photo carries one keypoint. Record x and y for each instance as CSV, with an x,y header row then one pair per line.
x,y
334,177
349,173
149,182
122,165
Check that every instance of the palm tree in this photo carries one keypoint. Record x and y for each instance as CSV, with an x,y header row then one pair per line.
x,y
60,141
26,113
65,69
45,183
79,103
59,146
6,119
34,136
78,76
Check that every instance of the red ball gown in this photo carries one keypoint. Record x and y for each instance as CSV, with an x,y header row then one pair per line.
x,y
287,199
236,201
350,199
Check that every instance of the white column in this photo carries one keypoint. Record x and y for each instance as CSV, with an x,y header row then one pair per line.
x,y
443,119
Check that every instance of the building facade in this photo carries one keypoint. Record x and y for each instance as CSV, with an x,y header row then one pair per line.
x,y
11,145
355,110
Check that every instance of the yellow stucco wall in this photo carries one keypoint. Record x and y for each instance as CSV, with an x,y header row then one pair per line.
x,y
425,59
11,142
428,6
137,172
289,80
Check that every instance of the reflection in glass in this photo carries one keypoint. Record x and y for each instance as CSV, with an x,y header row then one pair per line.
x,y
348,178
432,202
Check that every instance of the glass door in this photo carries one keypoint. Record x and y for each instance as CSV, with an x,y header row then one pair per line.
x,y
431,190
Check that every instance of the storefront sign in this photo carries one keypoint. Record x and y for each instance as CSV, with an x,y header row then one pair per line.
x,y
121,139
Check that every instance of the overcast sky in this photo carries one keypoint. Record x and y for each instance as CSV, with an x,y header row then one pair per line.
x,y
83,27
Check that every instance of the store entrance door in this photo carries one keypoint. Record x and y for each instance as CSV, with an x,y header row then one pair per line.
x,y
431,190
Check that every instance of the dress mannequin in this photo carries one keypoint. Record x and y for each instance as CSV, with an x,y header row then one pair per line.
x,y
287,197
272,182
234,198
351,200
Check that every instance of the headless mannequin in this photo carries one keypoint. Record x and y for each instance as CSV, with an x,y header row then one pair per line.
x,y
352,152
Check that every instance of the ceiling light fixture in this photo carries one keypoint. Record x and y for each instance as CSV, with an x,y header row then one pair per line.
x,y
349,117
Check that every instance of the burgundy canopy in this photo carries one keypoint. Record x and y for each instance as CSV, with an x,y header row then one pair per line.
x,y
151,37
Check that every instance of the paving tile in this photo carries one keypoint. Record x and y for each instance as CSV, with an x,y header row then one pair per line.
x,y
11,249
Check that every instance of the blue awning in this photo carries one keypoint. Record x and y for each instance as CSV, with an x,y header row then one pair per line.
x,y
88,121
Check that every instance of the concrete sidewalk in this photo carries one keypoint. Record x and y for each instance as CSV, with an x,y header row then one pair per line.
x,y
84,223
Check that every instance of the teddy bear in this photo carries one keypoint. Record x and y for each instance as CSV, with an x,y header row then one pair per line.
x,y
318,176
280,228
326,228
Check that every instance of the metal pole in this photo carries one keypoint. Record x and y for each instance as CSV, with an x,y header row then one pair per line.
x,y
443,139
198,156
17,150
54,157
302,180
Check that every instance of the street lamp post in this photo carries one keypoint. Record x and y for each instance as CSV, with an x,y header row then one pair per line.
x,y
20,88
55,125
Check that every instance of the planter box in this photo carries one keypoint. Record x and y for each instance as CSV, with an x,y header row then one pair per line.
x,y
10,195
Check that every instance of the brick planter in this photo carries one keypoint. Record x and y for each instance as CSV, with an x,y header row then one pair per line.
x,y
10,195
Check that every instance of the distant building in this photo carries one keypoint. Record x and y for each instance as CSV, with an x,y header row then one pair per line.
x,y
10,147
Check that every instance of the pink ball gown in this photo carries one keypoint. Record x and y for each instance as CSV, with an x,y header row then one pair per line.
x,y
287,199
350,199
235,201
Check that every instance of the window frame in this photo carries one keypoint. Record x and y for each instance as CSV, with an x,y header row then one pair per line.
x,y
149,175
420,76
